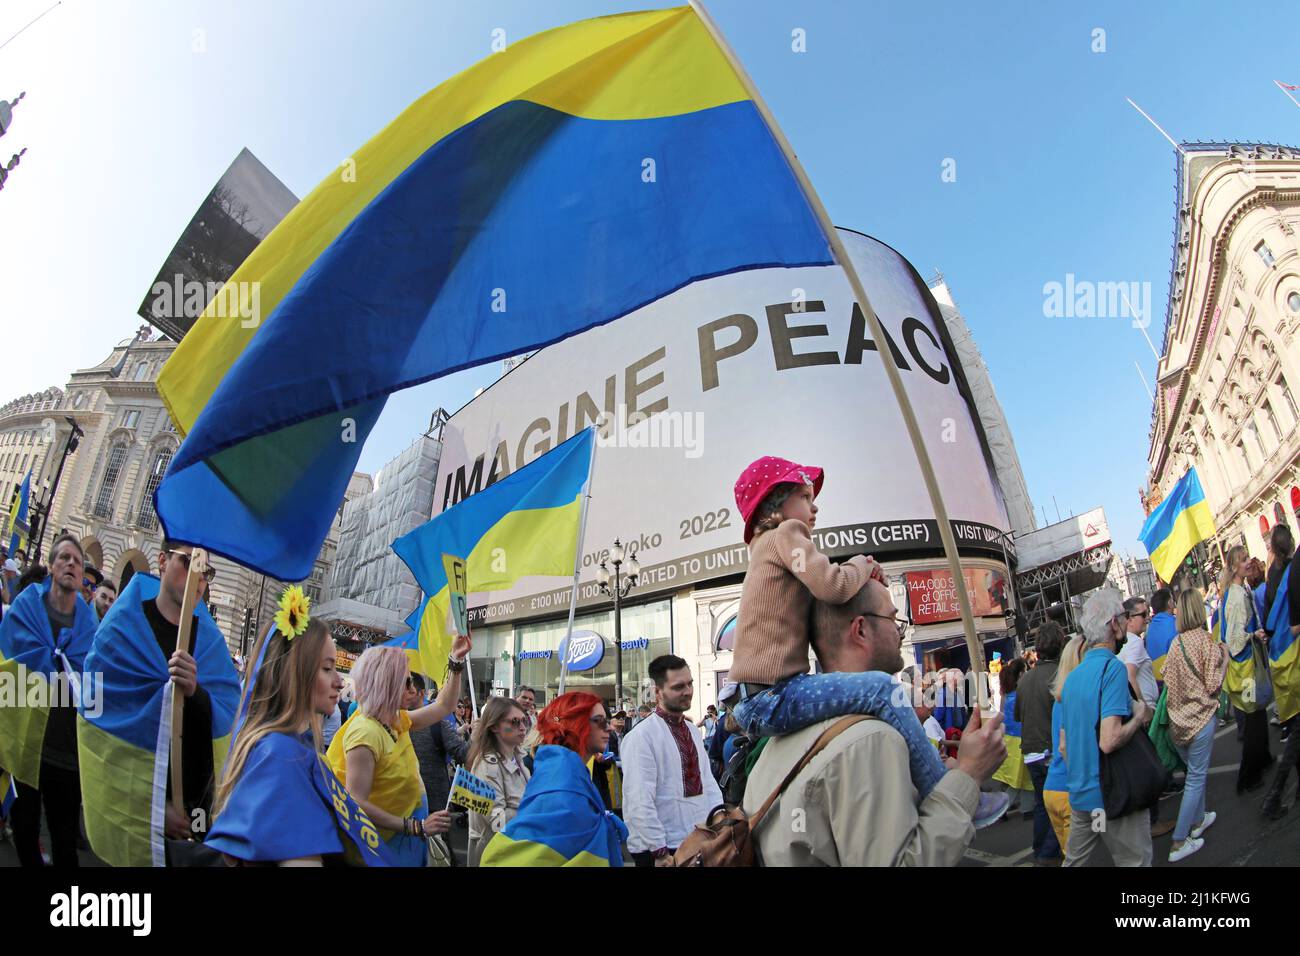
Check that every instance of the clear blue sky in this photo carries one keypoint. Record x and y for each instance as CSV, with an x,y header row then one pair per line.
x,y
127,126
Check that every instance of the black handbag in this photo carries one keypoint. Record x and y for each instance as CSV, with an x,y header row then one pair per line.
x,y
1132,777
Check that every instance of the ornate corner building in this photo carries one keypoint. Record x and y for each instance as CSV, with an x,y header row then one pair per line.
x,y
105,494
1225,400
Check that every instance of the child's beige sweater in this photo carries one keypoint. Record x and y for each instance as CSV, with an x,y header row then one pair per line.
x,y
786,571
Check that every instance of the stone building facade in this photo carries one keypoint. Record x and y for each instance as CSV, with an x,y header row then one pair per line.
x,y
1226,400
105,496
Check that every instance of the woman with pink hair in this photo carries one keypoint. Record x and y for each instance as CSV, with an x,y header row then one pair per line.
x,y
372,754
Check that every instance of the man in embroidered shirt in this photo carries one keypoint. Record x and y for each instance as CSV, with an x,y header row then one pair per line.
x,y
667,786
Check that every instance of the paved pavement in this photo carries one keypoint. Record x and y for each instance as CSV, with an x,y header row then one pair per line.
x,y
1239,837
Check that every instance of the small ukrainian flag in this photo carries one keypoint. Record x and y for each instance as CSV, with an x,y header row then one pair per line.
x,y
1182,521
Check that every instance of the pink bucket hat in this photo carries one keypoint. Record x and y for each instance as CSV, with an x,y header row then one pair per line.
x,y
765,474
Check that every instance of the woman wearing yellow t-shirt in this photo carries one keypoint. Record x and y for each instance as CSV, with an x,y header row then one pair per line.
x,y
372,754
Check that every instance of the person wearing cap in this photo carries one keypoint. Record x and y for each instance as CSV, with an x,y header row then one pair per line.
x,y
774,693
854,803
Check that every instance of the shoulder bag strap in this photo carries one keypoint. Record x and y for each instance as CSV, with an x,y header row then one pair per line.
x,y
829,734
1188,660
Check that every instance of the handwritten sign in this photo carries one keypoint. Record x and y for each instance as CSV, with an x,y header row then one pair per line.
x,y
471,792
457,585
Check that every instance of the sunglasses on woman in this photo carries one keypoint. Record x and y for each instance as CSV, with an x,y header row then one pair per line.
x,y
518,723
601,722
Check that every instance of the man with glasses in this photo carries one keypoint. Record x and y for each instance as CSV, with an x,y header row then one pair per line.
x,y
855,802
163,615
1142,677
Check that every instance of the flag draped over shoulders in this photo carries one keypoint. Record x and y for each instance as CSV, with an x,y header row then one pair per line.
x,y
555,186
124,743
287,804
31,655
561,821
1284,652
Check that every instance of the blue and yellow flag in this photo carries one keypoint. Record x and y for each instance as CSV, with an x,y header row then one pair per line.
x,y
1160,637
1180,522
124,744
555,186
562,820
472,793
1284,653
524,525
32,657
16,527
287,804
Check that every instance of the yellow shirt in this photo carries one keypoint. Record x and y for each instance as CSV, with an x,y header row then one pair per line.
x,y
396,785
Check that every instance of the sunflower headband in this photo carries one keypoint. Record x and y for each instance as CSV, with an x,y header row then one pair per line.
x,y
294,613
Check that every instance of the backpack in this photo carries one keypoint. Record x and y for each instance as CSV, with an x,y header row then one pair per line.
x,y
726,837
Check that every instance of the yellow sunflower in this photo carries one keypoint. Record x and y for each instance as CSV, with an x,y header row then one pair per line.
x,y
291,620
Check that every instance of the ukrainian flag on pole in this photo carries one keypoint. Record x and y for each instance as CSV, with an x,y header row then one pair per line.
x,y
1182,521
525,525
17,522
551,188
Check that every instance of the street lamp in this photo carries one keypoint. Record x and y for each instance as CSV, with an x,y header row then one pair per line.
x,y
619,589
43,510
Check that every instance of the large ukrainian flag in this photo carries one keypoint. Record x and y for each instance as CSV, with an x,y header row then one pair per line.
x,y
562,820
553,187
31,654
1178,524
525,525
1284,653
124,748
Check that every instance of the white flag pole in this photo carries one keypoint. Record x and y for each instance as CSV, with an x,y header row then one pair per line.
x,y
1286,92
577,559
973,645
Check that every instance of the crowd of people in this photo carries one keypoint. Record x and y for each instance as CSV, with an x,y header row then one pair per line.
x,y
289,762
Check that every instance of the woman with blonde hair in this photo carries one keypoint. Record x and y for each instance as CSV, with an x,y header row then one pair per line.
x,y
495,756
275,805
1194,672
1247,681
1056,791
372,752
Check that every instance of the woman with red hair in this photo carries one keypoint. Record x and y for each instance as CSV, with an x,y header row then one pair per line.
x,y
562,820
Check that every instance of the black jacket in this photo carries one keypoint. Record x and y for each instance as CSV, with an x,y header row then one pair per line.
x,y
433,746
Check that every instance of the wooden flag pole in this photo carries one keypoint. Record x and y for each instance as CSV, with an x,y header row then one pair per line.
x,y
973,644
198,566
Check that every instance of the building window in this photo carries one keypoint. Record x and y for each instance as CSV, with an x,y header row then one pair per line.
x,y
1266,254
1272,420
108,484
1290,402
130,418
146,517
1293,302
141,372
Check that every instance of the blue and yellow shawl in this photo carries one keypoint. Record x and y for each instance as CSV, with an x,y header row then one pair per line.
x,y
561,821
30,652
124,748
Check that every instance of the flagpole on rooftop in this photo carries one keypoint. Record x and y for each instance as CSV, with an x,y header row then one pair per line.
x,y
973,645
577,563
1286,91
